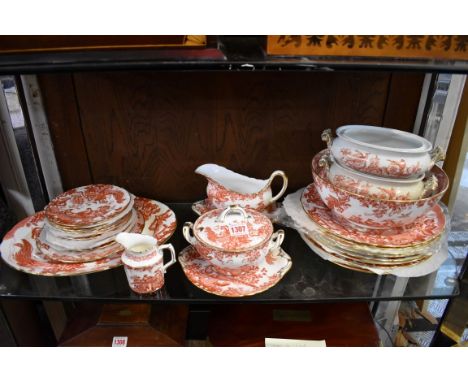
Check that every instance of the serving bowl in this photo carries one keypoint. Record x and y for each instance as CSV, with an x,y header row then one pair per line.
x,y
370,212
234,240
380,187
382,151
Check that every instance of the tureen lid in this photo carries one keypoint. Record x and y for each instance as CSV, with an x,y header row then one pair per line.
x,y
233,229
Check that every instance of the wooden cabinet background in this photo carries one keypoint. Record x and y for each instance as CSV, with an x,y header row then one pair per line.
x,y
147,131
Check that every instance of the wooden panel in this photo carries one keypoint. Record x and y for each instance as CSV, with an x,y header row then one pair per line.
x,y
148,131
10,44
403,100
144,325
339,324
65,128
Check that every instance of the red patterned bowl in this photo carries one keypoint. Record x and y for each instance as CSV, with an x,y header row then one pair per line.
x,y
371,212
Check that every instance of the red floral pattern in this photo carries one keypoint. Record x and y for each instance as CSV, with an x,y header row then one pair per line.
x,y
19,249
87,205
369,212
84,256
367,189
148,283
217,234
221,197
422,230
371,164
205,276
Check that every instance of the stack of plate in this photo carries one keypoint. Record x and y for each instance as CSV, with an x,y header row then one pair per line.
x,y
80,225
75,234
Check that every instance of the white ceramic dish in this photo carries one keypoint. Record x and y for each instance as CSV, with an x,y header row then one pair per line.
x,y
382,151
233,240
263,277
380,187
368,212
226,188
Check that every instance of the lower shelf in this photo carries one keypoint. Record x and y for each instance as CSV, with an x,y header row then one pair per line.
x,y
310,279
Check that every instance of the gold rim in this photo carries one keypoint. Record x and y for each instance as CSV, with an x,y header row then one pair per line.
x,y
343,258
285,270
372,245
439,194
376,260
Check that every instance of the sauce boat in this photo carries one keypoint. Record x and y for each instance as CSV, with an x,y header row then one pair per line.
x,y
226,188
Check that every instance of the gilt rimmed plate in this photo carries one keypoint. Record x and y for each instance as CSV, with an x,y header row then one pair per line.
x,y
203,275
424,229
60,254
19,249
88,205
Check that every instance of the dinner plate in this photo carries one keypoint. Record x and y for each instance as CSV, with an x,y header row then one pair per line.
x,y
19,249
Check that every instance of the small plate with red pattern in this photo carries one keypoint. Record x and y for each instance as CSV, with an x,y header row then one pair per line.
x,y
424,229
19,249
88,205
202,274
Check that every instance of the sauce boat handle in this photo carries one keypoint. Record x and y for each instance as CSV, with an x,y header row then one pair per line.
x,y
285,184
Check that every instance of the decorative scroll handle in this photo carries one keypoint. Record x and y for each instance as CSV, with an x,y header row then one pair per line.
x,y
188,226
430,185
325,162
276,240
327,137
285,184
437,155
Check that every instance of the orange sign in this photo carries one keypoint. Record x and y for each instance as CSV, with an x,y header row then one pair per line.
x,y
436,47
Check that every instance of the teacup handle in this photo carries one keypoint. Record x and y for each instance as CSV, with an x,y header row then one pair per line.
x,y
276,240
285,184
230,210
173,255
327,137
186,232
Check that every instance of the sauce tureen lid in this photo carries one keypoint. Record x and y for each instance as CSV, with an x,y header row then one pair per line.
x,y
233,229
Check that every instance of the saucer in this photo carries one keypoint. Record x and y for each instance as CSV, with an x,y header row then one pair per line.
x,y
19,249
202,274
421,231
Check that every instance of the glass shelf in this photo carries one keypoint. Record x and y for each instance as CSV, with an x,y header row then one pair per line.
x,y
310,279
231,53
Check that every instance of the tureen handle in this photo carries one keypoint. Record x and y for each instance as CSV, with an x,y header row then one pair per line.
x,y
285,184
276,240
430,185
327,137
173,255
325,162
230,210
437,155
186,232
